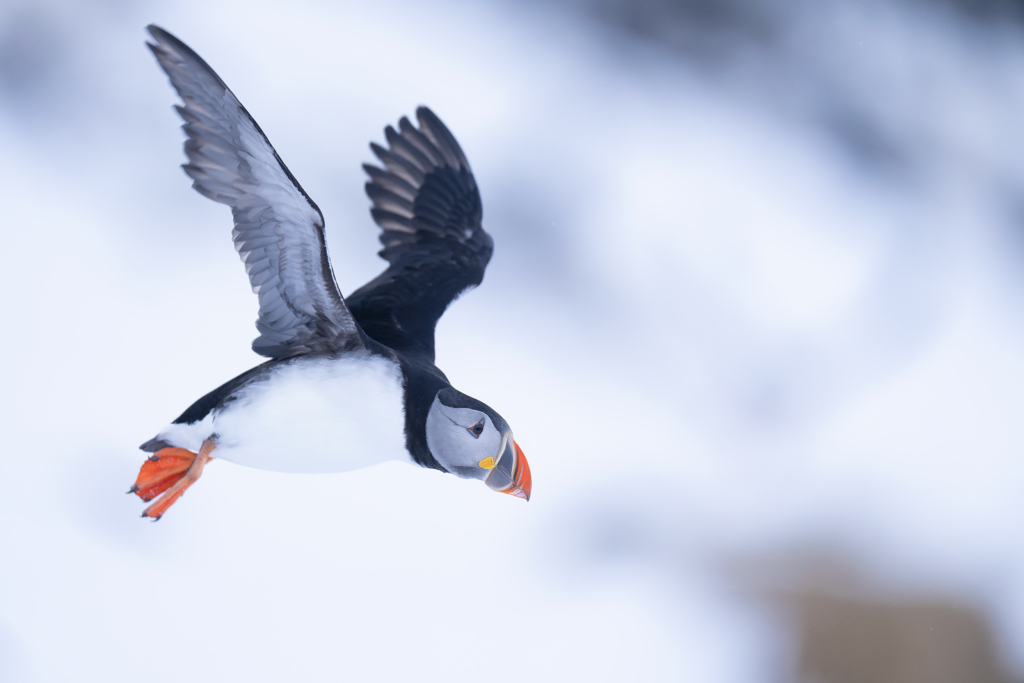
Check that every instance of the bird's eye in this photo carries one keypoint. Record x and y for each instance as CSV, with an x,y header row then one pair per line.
x,y
477,429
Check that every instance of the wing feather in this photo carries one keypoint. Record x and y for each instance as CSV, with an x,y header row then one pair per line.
x,y
427,204
279,230
390,182
400,166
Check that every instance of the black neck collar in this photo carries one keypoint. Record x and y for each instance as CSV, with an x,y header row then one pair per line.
x,y
422,382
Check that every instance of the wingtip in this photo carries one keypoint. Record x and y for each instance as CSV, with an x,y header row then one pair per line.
x,y
170,44
378,152
426,117
439,134
158,34
160,46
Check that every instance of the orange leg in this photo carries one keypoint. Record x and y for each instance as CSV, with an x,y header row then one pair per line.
x,y
170,471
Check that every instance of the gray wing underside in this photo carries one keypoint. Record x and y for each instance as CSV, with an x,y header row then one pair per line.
x,y
279,230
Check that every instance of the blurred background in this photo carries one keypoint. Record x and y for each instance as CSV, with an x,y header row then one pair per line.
x,y
755,314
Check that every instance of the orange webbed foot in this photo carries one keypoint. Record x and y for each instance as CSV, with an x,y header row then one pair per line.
x,y
161,471
169,471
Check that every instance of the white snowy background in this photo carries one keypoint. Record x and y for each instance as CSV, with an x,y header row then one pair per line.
x,y
756,296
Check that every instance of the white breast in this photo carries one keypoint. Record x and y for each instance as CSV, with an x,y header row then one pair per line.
x,y
314,415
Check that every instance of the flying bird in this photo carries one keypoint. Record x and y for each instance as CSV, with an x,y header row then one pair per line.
x,y
351,381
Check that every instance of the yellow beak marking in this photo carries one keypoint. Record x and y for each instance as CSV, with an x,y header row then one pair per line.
x,y
487,463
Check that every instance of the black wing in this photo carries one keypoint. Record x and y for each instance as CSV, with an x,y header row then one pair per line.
x,y
426,202
279,231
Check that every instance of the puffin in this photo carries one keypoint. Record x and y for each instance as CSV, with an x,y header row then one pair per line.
x,y
350,381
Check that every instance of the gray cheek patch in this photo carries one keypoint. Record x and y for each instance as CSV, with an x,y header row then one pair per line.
x,y
452,444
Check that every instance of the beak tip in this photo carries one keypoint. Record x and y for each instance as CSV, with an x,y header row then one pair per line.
x,y
525,476
522,483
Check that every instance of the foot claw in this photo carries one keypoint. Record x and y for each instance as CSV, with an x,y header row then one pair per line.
x,y
153,458
134,488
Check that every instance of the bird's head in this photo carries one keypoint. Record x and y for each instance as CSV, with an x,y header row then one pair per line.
x,y
472,441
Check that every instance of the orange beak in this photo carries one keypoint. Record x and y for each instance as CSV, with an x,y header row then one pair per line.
x,y
522,481
511,473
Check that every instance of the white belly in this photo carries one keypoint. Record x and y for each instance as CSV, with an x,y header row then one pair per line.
x,y
310,415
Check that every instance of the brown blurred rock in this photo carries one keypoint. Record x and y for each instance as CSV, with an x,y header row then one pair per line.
x,y
854,640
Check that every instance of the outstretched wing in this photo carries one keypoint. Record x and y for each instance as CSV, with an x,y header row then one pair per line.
x,y
279,231
427,204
